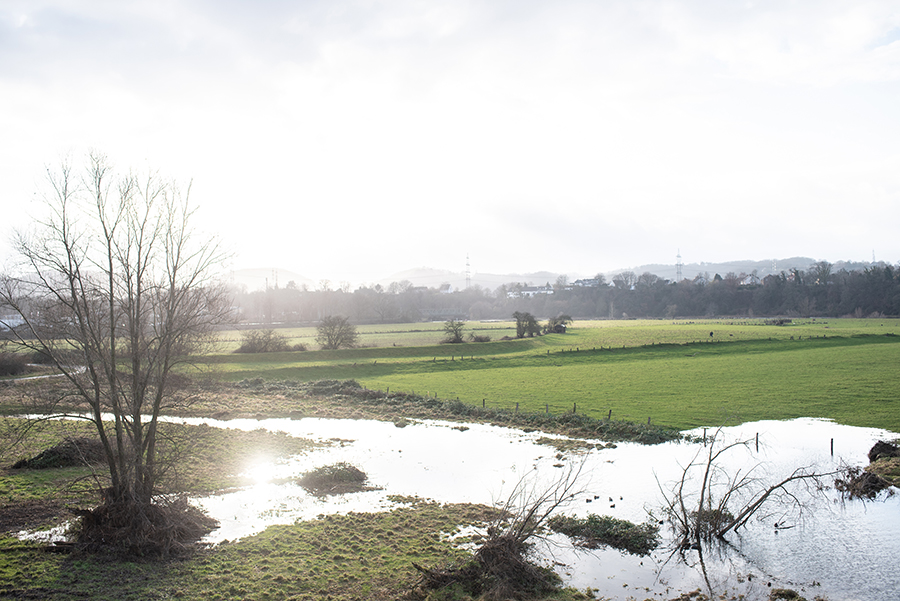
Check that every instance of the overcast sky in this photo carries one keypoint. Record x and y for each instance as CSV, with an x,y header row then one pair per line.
x,y
352,140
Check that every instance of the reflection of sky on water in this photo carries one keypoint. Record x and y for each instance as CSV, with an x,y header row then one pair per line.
x,y
844,547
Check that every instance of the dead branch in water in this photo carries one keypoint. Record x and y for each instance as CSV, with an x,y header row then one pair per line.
x,y
715,511
501,568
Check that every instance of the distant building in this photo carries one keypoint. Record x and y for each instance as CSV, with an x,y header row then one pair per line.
x,y
529,291
587,283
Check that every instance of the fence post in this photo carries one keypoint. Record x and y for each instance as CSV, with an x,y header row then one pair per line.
x,y
609,417
574,407
517,407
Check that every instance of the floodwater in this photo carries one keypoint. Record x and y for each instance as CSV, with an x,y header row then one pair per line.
x,y
845,551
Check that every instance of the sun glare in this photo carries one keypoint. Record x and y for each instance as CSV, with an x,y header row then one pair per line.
x,y
261,469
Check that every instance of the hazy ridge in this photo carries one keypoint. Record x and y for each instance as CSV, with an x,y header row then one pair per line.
x,y
263,277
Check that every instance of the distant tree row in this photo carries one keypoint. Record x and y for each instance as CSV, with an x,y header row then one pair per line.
x,y
817,291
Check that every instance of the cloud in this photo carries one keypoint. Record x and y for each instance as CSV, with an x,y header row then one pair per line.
x,y
434,124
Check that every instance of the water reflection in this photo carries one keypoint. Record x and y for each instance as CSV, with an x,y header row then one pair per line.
x,y
844,551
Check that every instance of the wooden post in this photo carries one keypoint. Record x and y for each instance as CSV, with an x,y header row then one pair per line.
x,y
609,417
482,403
547,408
648,421
757,442
574,407
517,407
832,447
704,437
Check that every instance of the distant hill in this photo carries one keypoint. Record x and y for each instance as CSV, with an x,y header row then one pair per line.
x,y
433,278
762,268
691,270
260,278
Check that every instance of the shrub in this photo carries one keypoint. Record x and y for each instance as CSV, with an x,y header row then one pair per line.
x,y
596,530
263,341
12,364
70,452
334,479
479,338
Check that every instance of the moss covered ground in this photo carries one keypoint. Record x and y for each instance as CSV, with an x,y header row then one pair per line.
x,y
340,557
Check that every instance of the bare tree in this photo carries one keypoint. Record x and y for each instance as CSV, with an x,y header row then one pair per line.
x,y
453,331
335,332
117,292
821,272
625,280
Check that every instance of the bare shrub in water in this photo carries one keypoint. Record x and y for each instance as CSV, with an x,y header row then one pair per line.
x,y
726,501
503,566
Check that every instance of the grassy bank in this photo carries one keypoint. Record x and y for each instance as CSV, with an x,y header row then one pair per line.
x,y
339,557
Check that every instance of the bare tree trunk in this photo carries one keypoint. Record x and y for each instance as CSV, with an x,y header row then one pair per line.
x,y
114,276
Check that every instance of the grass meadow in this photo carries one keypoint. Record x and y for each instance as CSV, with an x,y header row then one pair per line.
x,y
682,374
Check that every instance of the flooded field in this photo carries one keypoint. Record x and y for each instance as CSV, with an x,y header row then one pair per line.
x,y
843,550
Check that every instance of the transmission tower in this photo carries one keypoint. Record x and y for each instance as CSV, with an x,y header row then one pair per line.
x,y
468,273
678,266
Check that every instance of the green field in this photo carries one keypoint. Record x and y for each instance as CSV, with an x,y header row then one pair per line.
x,y
673,373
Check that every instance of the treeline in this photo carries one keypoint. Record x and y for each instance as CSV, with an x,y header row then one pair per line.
x,y
818,291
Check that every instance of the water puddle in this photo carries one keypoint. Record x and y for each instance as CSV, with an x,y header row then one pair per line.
x,y
845,551
442,461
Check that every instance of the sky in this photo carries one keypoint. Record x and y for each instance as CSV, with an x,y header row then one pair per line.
x,y
350,140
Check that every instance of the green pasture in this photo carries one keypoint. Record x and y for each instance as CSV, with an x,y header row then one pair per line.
x,y
379,335
590,332
673,373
